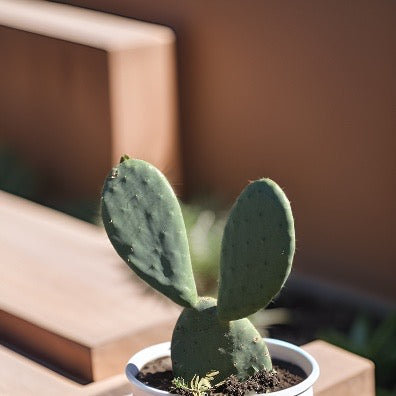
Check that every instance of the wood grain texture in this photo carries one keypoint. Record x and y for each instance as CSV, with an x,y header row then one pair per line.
x,y
63,283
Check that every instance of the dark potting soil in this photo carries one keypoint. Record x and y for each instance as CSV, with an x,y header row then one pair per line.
x,y
158,374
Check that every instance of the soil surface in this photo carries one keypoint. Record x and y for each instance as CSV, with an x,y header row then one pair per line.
x,y
158,374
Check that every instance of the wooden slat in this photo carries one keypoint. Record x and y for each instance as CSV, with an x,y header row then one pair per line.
x,y
89,87
94,29
63,284
342,373
117,385
19,377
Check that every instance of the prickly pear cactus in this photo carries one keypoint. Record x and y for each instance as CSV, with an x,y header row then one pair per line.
x,y
257,250
143,220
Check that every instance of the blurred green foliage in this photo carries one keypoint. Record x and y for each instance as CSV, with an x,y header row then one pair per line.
x,y
204,231
384,392
375,341
16,176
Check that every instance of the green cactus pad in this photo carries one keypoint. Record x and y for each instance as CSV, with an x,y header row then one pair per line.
x,y
257,250
202,343
143,220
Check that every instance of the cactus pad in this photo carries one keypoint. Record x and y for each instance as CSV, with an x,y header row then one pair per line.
x,y
202,343
143,220
257,250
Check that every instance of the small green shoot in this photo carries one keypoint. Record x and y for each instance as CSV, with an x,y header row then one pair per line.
x,y
198,386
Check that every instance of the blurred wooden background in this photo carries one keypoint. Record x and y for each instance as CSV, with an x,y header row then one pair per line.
x,y
300,92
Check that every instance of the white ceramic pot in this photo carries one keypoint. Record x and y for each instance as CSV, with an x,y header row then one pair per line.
x,y
278,350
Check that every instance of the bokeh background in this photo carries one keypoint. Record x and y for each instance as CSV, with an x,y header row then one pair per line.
x,y
301,92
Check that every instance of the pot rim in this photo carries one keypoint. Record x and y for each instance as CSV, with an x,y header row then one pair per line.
x,y
139,359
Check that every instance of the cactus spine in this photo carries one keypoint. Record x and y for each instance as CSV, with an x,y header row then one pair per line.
x,y
143,220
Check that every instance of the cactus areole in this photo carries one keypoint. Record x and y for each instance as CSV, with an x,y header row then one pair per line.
x,y
143,221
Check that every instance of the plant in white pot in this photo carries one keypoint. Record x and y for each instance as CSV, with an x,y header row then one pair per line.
x,y
143,220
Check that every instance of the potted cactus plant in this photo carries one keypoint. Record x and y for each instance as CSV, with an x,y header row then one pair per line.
x,y
143,220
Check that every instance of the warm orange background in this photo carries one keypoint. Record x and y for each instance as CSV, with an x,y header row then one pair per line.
x,y
303,92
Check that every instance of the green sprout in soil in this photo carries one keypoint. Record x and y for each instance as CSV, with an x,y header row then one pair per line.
x,y
197,387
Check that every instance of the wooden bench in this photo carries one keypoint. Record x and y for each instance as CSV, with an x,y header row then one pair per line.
x,y
68,300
